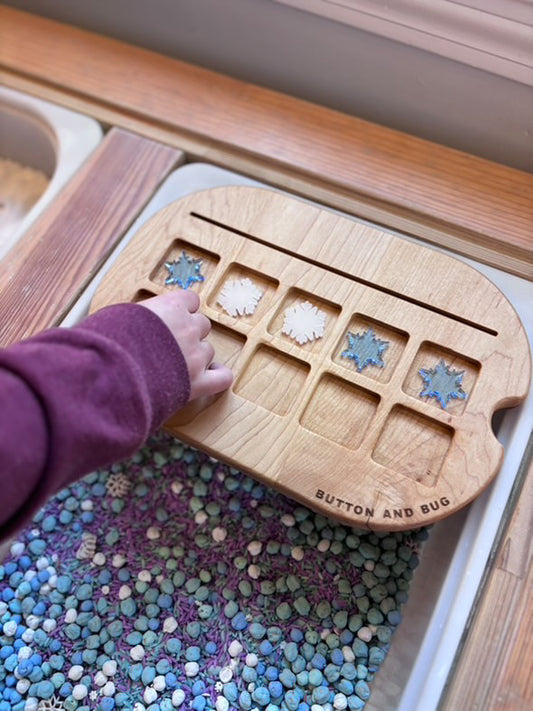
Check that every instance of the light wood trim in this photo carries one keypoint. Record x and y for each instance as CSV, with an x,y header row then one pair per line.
x,y
495,668
282,176
485,208
46,270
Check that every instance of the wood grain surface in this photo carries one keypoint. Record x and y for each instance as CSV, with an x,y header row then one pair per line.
x,y
495,669
45,271
443,195
362,446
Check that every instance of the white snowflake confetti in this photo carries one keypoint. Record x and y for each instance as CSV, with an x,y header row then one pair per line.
x,y
118,485
87,547
304,322
239,297
51,704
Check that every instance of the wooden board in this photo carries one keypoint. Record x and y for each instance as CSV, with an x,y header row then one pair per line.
x,y
495,669
42,275
358,444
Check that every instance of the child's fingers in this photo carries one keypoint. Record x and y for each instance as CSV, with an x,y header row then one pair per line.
x,y
204,325
208,351
183,297
191,299
217,378
213,380
180,312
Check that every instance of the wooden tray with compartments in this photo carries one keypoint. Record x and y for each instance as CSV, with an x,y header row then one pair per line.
x,y
367,368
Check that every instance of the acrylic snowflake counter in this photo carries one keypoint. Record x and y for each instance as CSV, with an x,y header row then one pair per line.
x,y
174,581
304,322
239,297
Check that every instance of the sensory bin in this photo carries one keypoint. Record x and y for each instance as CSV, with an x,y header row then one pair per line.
x,y
172,580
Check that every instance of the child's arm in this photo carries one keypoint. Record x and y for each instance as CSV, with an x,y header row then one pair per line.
x,y
72,400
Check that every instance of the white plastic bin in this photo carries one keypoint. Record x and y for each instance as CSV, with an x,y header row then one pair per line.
x,y
41,147
453,560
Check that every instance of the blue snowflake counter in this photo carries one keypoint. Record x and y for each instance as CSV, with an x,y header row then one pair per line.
x,y
365,349
184,272
443,384
175,581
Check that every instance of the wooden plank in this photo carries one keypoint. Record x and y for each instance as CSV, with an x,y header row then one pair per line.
x,y
495,669
350,438
283,176
485,205
45,271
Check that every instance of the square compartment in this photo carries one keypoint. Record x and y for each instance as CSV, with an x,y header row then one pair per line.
x,y
427,358
413,445
340,411
395,338
293,298
227,344
237,272
208,266
272,380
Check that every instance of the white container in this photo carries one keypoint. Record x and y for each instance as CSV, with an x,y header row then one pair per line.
x,y
453,560
38,135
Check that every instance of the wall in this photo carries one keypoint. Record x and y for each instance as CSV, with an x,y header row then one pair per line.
x,y
325,62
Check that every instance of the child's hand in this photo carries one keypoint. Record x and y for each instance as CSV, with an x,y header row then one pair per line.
x,y
179,311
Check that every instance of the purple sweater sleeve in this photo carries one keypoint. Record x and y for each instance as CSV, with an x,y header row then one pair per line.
x,y
72,400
